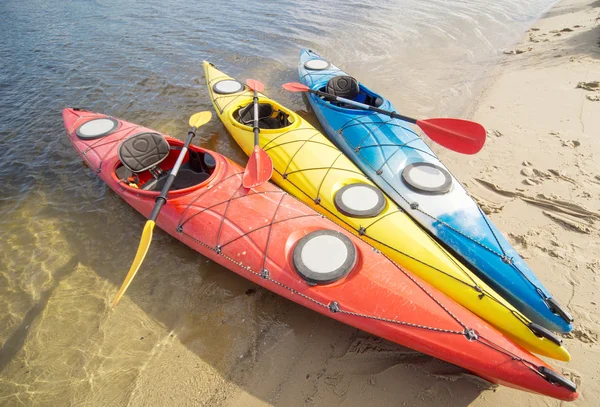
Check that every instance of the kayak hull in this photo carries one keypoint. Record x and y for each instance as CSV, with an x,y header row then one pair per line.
x,y
254,233
384,148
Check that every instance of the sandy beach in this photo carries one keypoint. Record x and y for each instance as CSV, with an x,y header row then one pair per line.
x,y
192,335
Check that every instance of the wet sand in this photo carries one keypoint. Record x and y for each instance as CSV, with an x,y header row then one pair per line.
x,y
190,334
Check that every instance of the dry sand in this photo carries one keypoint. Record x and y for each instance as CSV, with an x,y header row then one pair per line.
x,y
188,338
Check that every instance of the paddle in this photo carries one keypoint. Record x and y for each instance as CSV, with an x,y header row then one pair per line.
x,y
459,135
196,121
260,167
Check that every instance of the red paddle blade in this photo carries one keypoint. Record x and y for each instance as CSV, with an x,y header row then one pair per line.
x,y
258,170
295,87
255,85
459,135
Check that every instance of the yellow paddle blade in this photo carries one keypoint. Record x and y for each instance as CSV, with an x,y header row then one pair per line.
x,y
200,119
137,262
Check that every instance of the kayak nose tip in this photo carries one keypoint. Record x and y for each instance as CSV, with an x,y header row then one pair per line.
x,y
69,115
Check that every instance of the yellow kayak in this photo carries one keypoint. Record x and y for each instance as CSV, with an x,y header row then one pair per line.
x,y
308,166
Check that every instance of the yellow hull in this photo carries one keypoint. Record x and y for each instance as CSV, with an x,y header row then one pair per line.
x,y
308,166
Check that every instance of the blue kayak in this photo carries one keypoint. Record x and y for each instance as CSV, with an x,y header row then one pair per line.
x,y
395,157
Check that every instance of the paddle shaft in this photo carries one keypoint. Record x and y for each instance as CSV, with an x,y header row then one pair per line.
x,y
363,106
162,198
255,107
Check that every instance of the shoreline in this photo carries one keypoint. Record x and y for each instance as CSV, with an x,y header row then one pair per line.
x,y
191,333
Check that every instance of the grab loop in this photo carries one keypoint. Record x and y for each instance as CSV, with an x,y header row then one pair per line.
x,y
542,332
556,378
559,310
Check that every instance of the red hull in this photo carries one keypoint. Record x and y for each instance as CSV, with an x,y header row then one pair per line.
x,y
248,231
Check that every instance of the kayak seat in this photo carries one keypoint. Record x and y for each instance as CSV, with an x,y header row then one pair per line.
x,y
347,87
145,151
268,117
343,86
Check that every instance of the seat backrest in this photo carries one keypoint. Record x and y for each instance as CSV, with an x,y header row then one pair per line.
x,y
343,86
143,151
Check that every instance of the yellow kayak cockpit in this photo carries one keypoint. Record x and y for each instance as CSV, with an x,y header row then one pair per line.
x,y
271,116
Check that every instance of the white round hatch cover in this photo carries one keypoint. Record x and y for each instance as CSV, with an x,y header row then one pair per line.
x,y
324,256
427,178
227,86
359,200
96,128
316,64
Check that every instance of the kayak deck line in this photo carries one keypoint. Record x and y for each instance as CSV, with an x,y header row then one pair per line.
x,y
264,273
228,184
277,139
381,162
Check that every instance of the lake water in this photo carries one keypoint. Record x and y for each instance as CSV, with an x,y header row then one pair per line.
x,y
66,241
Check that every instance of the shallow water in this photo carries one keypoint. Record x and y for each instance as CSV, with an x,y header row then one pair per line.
x,y
66,241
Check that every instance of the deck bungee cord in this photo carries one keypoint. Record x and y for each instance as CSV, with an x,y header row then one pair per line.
x,y
304,140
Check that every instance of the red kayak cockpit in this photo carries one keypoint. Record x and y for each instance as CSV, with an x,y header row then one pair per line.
x,y
146,160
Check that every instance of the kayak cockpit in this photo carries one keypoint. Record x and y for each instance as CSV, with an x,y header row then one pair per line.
x,y
270,115
348,88
146,160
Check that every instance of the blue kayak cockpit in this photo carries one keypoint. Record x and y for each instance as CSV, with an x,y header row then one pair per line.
x,y
348,88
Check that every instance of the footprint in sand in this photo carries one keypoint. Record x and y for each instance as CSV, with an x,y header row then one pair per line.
x,y
570,143
495,133
517,51
592,86
488,207
583,334
537,177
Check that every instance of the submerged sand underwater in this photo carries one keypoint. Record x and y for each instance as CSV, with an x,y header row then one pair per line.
x,y
189,332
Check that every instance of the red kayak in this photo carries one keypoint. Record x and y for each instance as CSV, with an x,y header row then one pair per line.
x,y
277,242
